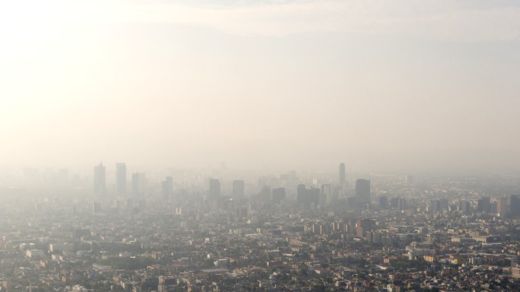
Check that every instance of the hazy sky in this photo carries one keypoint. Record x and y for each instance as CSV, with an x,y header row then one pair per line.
x,y
383,85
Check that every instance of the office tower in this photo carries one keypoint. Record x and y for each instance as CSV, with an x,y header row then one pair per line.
x,y
342,175
138,183
279,195
167,188
308,197
326,194
493,207
238,189
314,196
383,202
503,206
100,179
121,178
214,188
484,205
363,190
514,205
301,194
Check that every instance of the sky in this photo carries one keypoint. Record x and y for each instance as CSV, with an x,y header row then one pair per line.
x,y
383,85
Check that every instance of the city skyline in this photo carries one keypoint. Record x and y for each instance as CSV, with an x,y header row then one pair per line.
x,y
259,145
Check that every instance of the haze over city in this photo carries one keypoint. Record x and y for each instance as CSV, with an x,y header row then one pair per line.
x,y
389,86
259,145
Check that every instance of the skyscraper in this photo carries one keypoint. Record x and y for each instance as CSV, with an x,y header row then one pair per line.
x,y
514,203
503,206
307,197
238,189
214,188
121,178
326,194
278,195
484,205
100,179
363,190
383,202
167,188
342,175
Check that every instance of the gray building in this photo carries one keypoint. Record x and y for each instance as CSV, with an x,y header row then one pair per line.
x,y
100,186
342,175
363,190
121,182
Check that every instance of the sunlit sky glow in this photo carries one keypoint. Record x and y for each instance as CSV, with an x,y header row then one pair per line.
x,y
383,85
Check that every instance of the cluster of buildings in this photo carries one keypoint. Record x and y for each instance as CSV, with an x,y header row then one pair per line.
x,y
286,234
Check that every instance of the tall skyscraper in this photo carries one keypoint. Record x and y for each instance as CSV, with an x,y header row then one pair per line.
x,y
342,175
121,178
302,195
100,179
167,188
514,203
363,190
326,194
214,188
307,197
484,205
383,202
238,189
138,183
503,206
278,195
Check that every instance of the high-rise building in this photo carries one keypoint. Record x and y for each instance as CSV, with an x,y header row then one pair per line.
x,y
326,196
503,206
342,175
307,197
167,188
238,189
121,178
279,195
314,196
383,202
484,205
100,179
302,196
363,190
214,188
514,205
138,183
